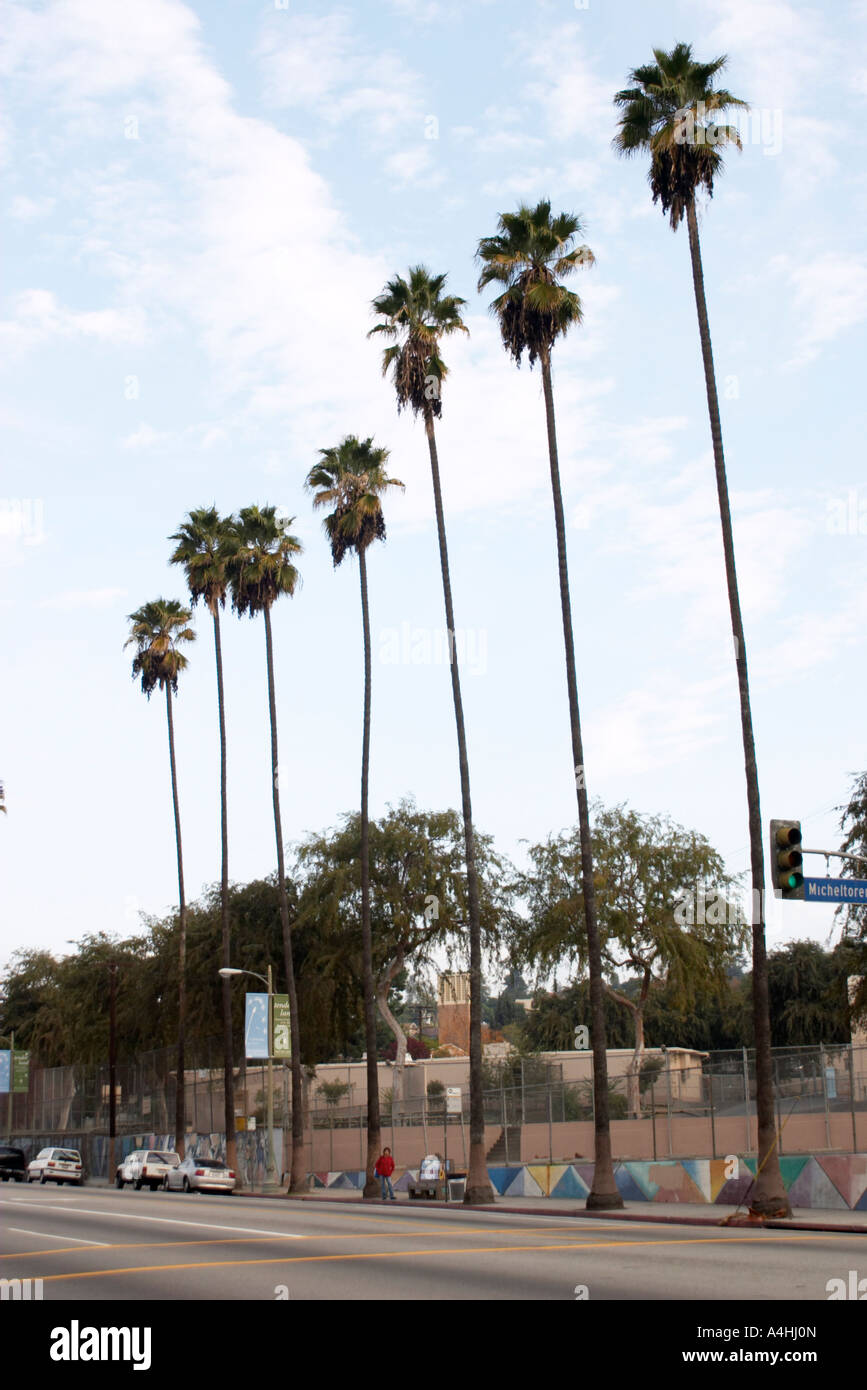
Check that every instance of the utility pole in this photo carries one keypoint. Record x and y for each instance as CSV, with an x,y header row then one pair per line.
x,y
112,1066
11,1086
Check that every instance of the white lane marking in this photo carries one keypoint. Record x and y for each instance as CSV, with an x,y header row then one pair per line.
x,y
46,1235
167,1221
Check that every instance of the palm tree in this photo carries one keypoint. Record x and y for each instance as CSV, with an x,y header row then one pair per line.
x,y
529,254
670,111
202,548
260,571
417,315
157,630
352,479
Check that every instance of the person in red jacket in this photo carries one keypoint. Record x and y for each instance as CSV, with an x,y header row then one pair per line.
x,y
383,1170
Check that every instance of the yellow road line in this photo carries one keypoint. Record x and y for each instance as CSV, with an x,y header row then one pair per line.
x,y
256,1240
394,1254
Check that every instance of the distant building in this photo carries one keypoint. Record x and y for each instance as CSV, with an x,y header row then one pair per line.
x,y
453,1010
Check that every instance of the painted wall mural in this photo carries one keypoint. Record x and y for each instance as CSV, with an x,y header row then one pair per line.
x,y
823,1181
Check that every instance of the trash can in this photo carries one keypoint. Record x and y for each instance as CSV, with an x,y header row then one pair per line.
x,y
456,1187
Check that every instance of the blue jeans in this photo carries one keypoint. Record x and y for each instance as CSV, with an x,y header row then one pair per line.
x,y
386,1182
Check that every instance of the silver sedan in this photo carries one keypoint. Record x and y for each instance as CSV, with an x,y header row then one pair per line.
x,y
200,1175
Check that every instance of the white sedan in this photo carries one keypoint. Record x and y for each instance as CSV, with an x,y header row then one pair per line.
x,y
56,1165
200,1175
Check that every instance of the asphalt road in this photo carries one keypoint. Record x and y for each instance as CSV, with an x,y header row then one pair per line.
x,y
101,1244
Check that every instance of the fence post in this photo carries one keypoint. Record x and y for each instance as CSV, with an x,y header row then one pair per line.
x,y
550,1129
712,1118
668,1101
749,1143
505,1127
777,1097
852,1096
825,1094
653,1115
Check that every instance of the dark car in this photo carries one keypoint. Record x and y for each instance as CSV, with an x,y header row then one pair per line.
x,y
13,1164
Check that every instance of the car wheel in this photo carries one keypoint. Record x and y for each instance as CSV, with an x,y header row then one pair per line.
x,y
43,1180
186,1184
137,1184
118,1182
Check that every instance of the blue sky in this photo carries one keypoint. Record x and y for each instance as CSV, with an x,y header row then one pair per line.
x,y
199,204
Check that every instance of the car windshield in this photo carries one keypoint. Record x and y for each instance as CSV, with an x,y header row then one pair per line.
x,y
206,1163
170,1159
67,1156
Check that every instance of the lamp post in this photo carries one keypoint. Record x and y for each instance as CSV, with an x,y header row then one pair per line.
x,y
271,1180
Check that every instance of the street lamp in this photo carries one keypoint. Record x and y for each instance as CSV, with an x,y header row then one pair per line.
x,y
271,1181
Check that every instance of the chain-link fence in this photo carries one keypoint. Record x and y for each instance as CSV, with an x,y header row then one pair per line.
x,y
539,1111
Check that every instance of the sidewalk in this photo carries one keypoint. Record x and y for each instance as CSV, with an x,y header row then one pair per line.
x,y
680,1213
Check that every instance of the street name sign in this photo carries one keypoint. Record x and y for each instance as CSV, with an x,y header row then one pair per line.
x,y
835,890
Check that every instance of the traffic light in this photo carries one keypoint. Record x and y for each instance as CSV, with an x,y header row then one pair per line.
x,y
786,859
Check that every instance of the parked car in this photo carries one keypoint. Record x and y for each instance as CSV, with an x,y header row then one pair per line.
x,y
146,1168
200,1175
56,1165
13,1164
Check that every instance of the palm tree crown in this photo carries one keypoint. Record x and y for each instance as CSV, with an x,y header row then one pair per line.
x,y
417,312
670,110
352,478
203,548
260,564
528,254
157,629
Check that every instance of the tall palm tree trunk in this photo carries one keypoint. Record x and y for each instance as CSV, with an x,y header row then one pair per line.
x,y
604,1193
180,1088
298,1174
478,1185
228,1058
769,1194
371,1188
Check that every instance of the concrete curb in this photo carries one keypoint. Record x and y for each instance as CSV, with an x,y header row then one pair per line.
x,y
654,1217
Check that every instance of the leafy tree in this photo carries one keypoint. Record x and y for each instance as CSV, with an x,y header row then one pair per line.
x,y
352,480
530,254
418,896
261,569
807,995
157,630
550,1025
672,112
203,541
416,315
853,823
644,867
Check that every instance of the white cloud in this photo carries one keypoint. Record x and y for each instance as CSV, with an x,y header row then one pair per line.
x,y
414,166
575,99
146,437
319,63
829,296
24,209
38,316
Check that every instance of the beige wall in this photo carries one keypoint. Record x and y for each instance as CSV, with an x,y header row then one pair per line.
x,y
690,1138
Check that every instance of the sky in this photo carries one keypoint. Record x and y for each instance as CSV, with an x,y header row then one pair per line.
x,y
199,204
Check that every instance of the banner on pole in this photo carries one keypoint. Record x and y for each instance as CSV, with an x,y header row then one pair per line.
x,y
256,1026
21,1071
281,1035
